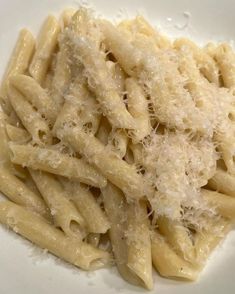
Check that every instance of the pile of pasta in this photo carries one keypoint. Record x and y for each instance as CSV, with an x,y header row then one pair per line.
x,y
117,146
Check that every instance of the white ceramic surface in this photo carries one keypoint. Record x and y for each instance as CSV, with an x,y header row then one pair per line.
x,y
23,268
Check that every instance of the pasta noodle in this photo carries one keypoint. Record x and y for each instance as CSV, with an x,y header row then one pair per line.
x,y
139,243
96,220
63,211
19,193
223,182
168,263
113,168
30,118
46,44
52,161
18,64
35,95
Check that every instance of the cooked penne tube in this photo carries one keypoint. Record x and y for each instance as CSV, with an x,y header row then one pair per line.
x,y
168,263
225,58
113,168
205,62
206,241
4,150
139,243
45,47
138,108
223,182
79,109
18,135
66,16
96,220
29,182
118,76
30,118
224,205
63,211
55,162
47,85
137,151
62,76
177,236
140,26
48,237
116,209
118,142
103,131
5,160
103,85
36,96
18,64
127,55
19,193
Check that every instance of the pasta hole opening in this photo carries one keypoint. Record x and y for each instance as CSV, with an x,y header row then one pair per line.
x,y
98,263
42,136
87,127
231,116
199,104
75,229
74,226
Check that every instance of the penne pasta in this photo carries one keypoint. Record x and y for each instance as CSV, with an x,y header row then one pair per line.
x,y
139,28
103,131
116,209
66,17
18,64
113,168
206,241
178,237
61,77
46,236
36,96
55,162
168,263
225,58
118,142
103,85
138,108
223,204
223,182
45,47
95,219
4,152
17,135
139,243
30,118
205,62
64,213
19,193
118,76
127,55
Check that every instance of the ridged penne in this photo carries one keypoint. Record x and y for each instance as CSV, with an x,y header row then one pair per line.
x,y
55,162
18,64
45,47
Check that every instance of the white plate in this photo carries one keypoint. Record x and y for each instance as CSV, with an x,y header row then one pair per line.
x,y
23,269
